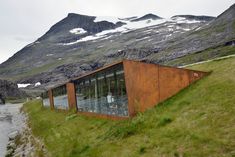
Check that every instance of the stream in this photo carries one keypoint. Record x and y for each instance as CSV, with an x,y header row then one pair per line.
x,y
11,121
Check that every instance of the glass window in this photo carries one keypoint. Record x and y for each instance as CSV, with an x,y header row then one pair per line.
x,y
45,99
60,97
103,92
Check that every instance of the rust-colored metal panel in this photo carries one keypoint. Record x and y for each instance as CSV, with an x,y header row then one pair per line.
x,y
141,85
50,94
71,95
196,75
146,86
171,81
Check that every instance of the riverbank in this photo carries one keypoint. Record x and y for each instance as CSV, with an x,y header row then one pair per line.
x,y
16,138
25,144
11,123
198,121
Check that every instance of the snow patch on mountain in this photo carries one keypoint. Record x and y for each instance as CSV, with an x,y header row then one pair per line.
x,y
87,38
78,31
50,54
129,26
186,29
184,20
37,84
142,38
107,18
23,85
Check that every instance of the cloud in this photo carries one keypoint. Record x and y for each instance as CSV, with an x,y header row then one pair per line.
x,y
24,39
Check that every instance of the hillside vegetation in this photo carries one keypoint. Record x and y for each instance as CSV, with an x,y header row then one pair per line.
x,y
198,121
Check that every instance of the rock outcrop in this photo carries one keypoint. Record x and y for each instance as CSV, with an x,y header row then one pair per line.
x,y
10,90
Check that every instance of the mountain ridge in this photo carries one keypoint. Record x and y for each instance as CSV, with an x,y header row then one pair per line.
x,y
68,45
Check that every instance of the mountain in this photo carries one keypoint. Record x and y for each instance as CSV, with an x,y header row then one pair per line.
x,y
80,43
10,90
147,17
193,17
219,32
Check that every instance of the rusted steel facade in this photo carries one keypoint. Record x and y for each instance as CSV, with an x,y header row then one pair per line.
x,y
146,85
71,96
142,85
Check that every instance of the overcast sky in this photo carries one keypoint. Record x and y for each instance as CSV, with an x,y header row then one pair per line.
x,y
23,21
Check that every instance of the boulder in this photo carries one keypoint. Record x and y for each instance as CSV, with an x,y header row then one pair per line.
x,y
13,135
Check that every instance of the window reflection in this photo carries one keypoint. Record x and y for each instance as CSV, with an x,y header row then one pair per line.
x,y
103,92
45,99
60,97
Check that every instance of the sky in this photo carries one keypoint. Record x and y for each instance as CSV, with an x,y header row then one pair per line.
x,y
23,21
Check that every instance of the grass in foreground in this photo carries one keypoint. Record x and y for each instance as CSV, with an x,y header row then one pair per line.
x,y
199,121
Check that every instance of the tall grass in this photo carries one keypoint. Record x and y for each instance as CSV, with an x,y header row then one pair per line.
x,y
198,121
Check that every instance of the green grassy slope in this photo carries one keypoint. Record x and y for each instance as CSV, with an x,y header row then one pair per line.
x,y
198,121
204,55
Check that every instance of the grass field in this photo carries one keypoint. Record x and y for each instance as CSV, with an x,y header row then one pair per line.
x,y
207,54
199,121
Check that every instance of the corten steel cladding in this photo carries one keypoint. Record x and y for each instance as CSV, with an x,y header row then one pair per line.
x,y
146,85
141,85
196,75
149,84
50,94
171,81
71,95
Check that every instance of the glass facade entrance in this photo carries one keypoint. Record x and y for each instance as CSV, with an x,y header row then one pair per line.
x,y
60,97
45,99
103,92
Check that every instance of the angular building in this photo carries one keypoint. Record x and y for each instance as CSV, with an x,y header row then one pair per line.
x,y
121,90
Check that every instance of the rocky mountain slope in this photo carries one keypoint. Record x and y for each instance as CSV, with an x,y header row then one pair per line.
x,y
10,90
80,43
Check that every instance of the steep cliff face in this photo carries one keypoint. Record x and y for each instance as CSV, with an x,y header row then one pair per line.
x,y
10,90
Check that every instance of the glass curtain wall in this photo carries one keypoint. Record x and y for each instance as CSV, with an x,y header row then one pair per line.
x,y
45,99
103,92
60,97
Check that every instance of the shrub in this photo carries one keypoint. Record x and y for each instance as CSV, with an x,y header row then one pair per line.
x,y
164,120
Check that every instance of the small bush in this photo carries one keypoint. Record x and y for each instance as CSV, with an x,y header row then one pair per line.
x,y
164,121
142,150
